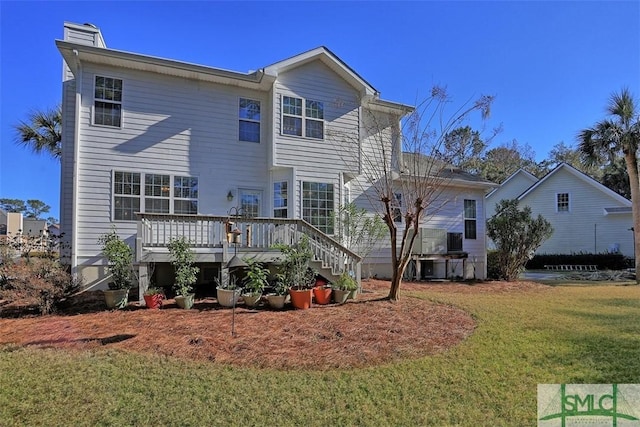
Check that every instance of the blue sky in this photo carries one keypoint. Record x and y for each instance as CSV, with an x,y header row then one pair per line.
x,y
551,65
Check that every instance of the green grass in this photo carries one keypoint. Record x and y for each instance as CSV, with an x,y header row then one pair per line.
x,y
564,335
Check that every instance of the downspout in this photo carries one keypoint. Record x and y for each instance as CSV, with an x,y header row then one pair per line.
x,y
76,149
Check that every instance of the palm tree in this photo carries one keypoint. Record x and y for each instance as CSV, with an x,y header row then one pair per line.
x,y
42,132
619,134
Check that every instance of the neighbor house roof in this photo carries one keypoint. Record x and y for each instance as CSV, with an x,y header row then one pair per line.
x,y
580,175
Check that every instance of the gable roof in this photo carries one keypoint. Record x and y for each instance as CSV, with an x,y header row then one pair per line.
x,y
529,176
583,177
368,93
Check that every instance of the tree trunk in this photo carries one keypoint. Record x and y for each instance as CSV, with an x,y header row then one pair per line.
x,y
634,183
394,291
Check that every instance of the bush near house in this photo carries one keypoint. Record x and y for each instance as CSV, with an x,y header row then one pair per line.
x,y
34,286
604,261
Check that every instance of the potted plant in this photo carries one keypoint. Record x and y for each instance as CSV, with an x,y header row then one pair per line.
x,y
296,272
153,297
120,264
255,282
228,294
278,297
186,272
322,291
343,287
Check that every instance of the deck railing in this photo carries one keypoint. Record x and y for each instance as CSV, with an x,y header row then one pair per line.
x,y
209,231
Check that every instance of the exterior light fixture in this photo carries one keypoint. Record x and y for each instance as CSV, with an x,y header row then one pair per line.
x,y
229,196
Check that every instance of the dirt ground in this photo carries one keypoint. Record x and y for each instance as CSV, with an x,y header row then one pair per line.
x,y
367,331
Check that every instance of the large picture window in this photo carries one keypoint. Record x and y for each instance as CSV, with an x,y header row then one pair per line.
x,y
470,218
299,121
107,107
153,193
250,202
249,116
318,205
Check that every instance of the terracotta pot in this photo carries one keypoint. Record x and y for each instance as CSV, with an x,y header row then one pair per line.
x,y
185,301
322,294
116,298
153,301
301,298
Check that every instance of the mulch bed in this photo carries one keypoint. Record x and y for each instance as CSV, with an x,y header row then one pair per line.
x,y
363,332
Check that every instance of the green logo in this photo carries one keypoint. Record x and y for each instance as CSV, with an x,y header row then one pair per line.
x,y
569,405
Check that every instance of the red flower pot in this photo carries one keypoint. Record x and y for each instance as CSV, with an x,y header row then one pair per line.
x,y
322,294
301,298
153,301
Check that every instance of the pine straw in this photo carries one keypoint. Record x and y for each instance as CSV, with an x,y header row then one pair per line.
x,y
364,332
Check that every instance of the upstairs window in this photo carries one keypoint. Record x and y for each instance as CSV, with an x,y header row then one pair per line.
x,y
562,202
299,121
249,116
107,107
470,219
397,209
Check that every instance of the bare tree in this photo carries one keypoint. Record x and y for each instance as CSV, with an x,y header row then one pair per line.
x,y
402,169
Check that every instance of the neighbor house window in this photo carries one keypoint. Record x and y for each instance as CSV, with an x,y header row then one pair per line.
x,y
469,219
153,193
185,194
280,199
157,191
317,205
299,121
107,107
126,195
562,200
249,115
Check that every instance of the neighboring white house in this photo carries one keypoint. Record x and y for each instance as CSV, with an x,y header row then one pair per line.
x,y
160,148
586,216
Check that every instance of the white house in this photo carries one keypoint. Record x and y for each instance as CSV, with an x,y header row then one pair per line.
x,y
586,216
159,148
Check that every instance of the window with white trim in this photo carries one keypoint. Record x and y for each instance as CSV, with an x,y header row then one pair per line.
x,y
280,199
126,195
185,195
397,207
470,218
317,205
159,194
249,120
562,202
250,202
107,104
299,121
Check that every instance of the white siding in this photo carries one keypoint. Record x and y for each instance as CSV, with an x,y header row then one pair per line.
x,y
585,228
171,126
510,189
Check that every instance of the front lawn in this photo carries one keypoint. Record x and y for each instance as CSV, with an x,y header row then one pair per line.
x,y
523,337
